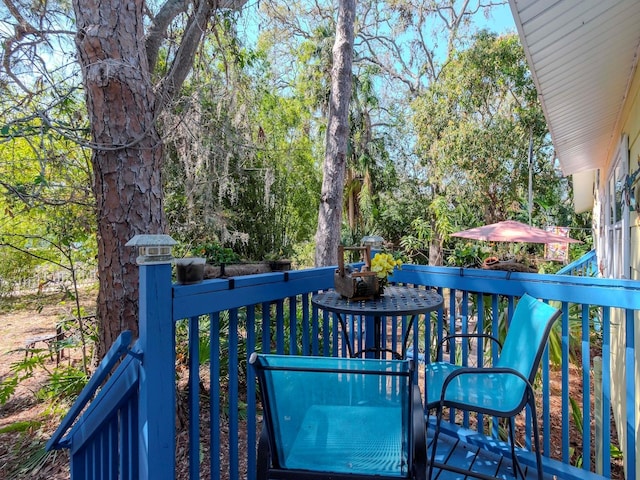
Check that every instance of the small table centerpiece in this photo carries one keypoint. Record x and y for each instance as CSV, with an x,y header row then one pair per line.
x,y
383,265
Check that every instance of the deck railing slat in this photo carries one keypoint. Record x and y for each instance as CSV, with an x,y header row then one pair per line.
x,y
112,452
305,325
251,391
280,327
630,381
586,380
293,326
495,332
546,407
480,344
606,390
194,397
464,320
233,389
566,413
452,345
214,400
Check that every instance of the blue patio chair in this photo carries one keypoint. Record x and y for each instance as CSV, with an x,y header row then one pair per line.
x,y
502,390
339,418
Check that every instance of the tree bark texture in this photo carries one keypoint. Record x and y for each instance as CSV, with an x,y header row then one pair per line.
x,y
330,212
127,151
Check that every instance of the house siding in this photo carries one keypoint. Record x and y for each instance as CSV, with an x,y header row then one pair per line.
x,y
630,125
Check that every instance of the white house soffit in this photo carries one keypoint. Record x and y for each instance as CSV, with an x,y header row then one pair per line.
x,y
582,54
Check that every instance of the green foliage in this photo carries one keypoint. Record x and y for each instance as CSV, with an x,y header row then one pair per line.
x,y
398,209
576,415
474,126
29,449
20,371
64,383
240,169
215,253
8,388
416,244
468,254
46,202
304,255
615,452
21,426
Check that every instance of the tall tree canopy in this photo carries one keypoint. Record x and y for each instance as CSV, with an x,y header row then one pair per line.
x,y
400,48
335,159
474,129
133,61
418,116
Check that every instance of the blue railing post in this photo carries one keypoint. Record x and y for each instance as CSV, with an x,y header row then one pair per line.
x,y
157,394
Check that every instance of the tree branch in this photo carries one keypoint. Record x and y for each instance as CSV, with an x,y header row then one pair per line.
x,y
183,61
34,255
158,29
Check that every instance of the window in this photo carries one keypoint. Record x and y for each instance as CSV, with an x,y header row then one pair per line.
x,y
617,215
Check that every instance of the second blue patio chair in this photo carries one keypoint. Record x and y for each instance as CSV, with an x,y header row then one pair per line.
x,y
339,418
502,390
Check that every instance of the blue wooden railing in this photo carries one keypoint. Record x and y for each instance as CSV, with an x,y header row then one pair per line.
x,y
103,442
585,266
224,320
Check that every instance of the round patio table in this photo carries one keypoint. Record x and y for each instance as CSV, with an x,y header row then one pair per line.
x,y
396,301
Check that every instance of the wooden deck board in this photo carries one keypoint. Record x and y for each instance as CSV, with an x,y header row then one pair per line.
x,y
453,451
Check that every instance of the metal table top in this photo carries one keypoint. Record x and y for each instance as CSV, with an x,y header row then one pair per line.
x,y
396,300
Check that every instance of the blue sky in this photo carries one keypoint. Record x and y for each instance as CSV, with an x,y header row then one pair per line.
x,y
501,20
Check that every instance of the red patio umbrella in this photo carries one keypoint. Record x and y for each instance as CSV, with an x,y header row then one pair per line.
x,y
512,231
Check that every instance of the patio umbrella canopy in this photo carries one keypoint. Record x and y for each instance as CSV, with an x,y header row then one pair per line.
x,y
512,231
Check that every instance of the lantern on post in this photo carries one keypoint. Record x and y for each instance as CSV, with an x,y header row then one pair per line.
x,y
152,249
375,242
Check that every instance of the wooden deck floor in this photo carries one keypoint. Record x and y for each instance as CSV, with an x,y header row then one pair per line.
x,y
468,450
453,451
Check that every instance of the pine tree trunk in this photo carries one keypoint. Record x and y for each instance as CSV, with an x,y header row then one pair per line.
x,y
127,151
436,253
330,213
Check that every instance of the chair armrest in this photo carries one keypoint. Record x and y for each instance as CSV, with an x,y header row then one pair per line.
x,y
483,371
395,355
466,335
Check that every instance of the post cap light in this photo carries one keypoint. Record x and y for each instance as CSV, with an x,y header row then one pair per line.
x,y
152,249
374,241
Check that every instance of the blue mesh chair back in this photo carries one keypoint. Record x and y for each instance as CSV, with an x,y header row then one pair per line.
x,y
505,388
341,416
522,350
523,347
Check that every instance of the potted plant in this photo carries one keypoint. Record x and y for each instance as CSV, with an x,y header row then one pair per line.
x,y
278,262
190,270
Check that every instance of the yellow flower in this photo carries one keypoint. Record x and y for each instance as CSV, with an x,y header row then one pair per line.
x,y
383,264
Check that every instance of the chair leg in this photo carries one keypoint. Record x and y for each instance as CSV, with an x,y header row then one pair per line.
x,y
419,440
434,441
263,460
514,459
536,437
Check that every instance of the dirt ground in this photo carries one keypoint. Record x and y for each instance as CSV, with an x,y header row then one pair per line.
x,y
26,424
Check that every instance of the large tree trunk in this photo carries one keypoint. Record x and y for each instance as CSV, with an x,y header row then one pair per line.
x,y
330,213
127,151
436,250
